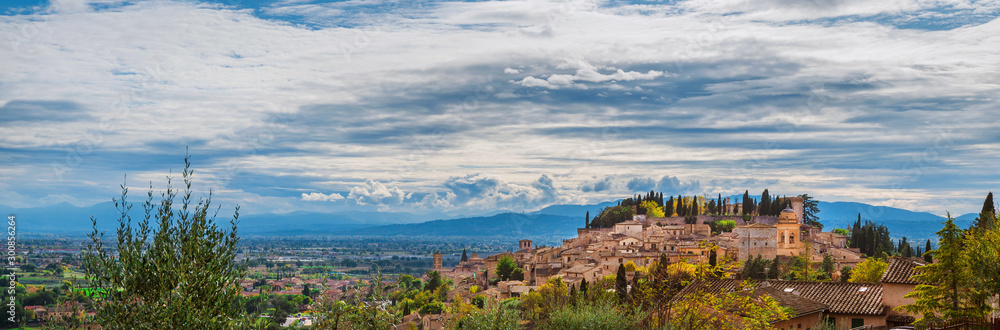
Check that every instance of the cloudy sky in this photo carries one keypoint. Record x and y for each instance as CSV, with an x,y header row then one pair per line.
x,y
473,107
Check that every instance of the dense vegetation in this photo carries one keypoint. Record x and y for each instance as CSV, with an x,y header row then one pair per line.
x,y
654,204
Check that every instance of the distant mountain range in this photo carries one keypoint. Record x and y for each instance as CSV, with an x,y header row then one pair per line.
x,y
555,222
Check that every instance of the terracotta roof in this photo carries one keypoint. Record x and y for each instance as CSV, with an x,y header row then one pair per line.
x,y
843,298
896,317
799,305
580,269
900,269
630,222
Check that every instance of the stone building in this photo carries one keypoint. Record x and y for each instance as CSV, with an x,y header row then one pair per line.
x,y
756,239
789,233
438,261
525,245
629,228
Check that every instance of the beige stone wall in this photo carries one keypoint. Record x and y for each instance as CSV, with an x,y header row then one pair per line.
x,y
892,295
844,321
805,322
756,241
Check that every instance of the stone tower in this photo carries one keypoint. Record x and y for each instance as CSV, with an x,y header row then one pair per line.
x,y
437,260
525,245
756,239
797,202
789,233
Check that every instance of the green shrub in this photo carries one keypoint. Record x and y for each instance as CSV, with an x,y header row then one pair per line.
x,y
596,315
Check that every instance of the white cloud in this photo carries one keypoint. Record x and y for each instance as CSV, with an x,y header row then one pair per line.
x,y
377,193
317,196
491,192
706,76
588,74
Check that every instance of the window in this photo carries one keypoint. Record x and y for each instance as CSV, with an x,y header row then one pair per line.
x,y
857,323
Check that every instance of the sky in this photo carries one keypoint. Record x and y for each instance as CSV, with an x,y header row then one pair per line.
x,y
475,107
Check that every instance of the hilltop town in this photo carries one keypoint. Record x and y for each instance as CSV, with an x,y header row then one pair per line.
x,y
598,253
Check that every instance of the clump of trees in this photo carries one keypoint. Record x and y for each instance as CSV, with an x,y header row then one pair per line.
x,y
872,239
507,269
654,204
964,274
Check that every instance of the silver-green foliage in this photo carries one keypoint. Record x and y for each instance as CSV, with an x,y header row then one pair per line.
x,y
596,315
493,317
180,275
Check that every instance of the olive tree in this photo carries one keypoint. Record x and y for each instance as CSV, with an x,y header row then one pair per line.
x,y
173,269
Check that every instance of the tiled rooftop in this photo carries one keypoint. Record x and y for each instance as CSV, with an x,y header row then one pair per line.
x,y
900,269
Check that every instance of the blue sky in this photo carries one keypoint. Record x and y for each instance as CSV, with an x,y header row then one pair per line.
x,y
475,107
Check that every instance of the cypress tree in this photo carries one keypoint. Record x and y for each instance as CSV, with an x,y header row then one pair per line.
x,y
988,205
746,202
718,203
765,203
775,271
750,267
621,284
928,257
668,207
987,217
583,286
586,223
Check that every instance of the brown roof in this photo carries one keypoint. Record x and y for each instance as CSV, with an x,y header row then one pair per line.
x,y
900,269
896,317
842,298
799,305
580,269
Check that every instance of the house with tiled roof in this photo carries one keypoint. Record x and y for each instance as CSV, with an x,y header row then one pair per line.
x,y
804,313
896,283
849,305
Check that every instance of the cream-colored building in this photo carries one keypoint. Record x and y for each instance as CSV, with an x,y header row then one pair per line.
x,y
789,233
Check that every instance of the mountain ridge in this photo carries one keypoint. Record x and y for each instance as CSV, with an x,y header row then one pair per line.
x,y
556,221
